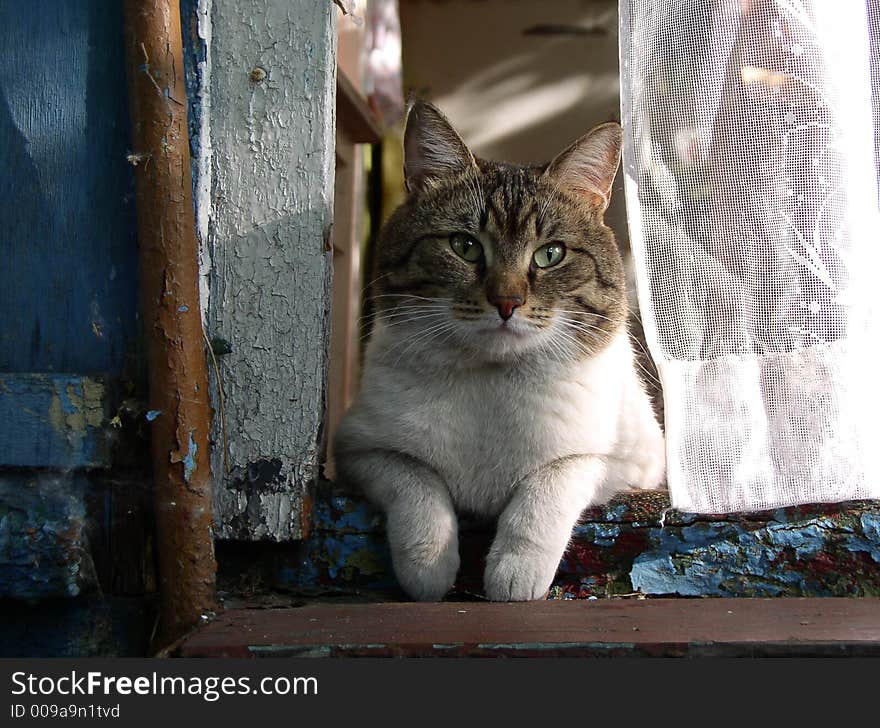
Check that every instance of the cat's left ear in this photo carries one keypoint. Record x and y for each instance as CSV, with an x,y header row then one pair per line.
x,y
433,150
587,168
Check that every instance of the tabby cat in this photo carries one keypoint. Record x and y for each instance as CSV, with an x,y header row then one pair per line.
x,y
499,379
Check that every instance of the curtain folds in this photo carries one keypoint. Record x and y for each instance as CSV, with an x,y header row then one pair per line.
x,y
751,188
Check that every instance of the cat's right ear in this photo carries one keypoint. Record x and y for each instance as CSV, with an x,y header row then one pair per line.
x,y
432,149
587,168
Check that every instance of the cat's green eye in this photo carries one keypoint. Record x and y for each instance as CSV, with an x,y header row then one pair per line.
x,y
549,255
466,247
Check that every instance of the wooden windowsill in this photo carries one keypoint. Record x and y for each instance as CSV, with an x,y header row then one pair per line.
x,y
657,627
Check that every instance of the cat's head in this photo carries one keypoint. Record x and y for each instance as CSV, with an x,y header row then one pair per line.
x,y
497,261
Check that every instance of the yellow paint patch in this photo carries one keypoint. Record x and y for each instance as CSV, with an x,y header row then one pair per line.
x,y
86,410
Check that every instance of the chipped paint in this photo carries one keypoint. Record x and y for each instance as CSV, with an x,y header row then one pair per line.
x,y
286,651
75,406
152,415
57,421
346,552
43,546
189,460
257,501
176,357
822,555
272,165
621,549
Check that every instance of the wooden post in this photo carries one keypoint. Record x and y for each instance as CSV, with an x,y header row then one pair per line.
x,y
179,398
272,83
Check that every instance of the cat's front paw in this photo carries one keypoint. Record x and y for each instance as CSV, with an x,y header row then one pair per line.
x,y
426,575
510,577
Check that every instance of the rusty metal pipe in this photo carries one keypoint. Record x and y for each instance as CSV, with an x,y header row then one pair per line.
x,y
176,357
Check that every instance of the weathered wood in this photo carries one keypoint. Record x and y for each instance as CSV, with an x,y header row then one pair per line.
x,y
635,543
44,551
67,533
272,88
68,296
660,627
121,531
355,125
356,119
170,300
345,340
53,420
69,335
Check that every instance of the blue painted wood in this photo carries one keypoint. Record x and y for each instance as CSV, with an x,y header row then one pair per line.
x,y
68,292
68,278
54,420
43,546
635,543
195,52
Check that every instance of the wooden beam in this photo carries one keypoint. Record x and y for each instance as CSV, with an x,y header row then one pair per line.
x,y
272,89
353,114
662,627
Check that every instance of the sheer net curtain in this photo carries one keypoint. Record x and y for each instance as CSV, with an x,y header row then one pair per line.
x,y
751,188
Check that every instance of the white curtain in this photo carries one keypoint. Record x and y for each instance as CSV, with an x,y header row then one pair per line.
x,y
751,190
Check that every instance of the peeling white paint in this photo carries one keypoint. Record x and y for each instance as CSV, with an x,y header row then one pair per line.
x,y
272,167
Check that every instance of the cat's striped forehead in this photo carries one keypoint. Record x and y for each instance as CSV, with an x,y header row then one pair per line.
x,y
511,206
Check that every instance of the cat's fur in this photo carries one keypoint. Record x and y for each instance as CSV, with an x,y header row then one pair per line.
x,y
528,420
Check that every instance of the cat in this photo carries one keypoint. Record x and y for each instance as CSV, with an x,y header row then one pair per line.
x,y
499,380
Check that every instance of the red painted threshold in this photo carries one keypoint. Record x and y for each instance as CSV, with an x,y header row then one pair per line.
x,y
655,627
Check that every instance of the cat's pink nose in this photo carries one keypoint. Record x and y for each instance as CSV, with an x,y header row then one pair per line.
x,y
506,305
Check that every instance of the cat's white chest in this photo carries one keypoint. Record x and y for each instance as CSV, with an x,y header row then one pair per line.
x,y
483,431
498,433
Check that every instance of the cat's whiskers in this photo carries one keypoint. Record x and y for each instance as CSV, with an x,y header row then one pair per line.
x,y
575,323
449,335
422,337
569,325
584,312
401,311
559,353
404,320
445,319
579,347
376,280
401,314
587,329
650,375
397,311
411,295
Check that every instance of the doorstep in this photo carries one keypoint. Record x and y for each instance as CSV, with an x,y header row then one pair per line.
x,y
789,627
